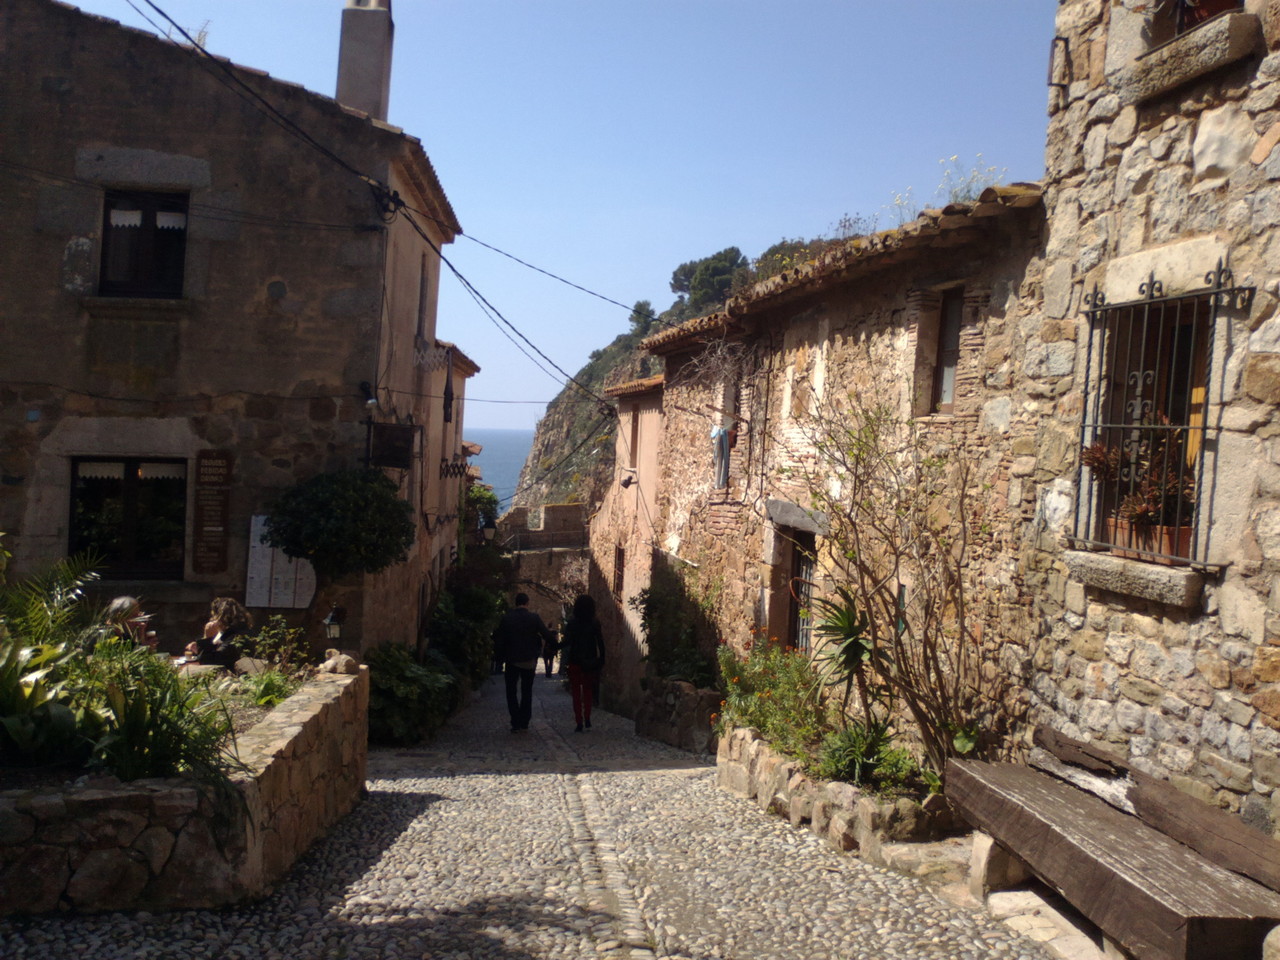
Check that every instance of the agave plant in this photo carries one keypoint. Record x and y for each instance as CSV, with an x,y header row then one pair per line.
x,y
848,655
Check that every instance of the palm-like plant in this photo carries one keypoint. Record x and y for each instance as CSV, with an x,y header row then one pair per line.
x,y
848,653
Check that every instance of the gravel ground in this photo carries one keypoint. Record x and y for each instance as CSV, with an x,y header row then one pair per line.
x,y
488,844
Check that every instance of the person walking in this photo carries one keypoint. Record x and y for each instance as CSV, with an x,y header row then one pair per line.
x,y
519,641
582,650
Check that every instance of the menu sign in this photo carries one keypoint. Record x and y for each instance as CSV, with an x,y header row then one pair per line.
x,y
212,511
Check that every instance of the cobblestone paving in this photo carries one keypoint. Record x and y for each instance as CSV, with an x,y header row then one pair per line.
x,y
488,844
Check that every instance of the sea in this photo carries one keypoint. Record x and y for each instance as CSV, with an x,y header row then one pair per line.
x,y
501,459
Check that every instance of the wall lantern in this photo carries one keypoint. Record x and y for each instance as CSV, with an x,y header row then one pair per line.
x,y
333,622
489,530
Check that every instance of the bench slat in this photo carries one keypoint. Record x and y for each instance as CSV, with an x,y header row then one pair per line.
x,y
1156,897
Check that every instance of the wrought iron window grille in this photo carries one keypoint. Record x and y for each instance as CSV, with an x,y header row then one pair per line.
x,y
1140,480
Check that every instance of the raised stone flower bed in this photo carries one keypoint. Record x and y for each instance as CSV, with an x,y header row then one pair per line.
x,y
163,845
842,814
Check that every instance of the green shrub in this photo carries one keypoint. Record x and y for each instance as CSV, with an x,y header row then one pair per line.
x,y
865,755
408,700
278,644
159,722
461,630
270,687
349,521
774,690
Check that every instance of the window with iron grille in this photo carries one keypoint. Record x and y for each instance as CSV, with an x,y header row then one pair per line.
x,y
799,615
1144,431
144,244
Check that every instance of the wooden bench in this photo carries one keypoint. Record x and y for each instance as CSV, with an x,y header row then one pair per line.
x,y
1155,897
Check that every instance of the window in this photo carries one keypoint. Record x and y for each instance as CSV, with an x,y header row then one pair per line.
x,y
144,244
944,368
1172,18
1144,428
619,570
799,616
132,514
423,290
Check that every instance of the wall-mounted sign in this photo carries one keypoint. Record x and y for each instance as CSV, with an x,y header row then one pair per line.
x,y
212,500
391,445
273,579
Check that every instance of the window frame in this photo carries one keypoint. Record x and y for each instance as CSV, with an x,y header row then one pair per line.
x,y
130,567
1131,408
157,267
946,357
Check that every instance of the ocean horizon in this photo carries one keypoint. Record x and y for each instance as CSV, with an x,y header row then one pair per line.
x,y
501,459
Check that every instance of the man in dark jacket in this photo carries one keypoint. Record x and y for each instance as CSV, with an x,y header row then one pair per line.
x,y
519,642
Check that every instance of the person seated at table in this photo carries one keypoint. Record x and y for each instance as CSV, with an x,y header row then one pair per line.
x,y
125,620
227,622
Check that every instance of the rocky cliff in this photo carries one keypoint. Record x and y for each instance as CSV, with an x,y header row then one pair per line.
x,y
572,456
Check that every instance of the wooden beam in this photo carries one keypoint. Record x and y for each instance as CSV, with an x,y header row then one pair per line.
x,y
1154,896
1216,834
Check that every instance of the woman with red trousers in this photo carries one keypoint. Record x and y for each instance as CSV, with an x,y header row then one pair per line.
x,y
582,650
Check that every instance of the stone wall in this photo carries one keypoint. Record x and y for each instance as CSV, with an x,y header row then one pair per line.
x,y
678,713
1161,163
840,813
162,845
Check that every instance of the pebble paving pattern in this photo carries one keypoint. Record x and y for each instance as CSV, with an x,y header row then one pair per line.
x,y
550,844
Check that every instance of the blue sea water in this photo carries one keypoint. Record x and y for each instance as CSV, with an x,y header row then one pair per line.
x,y
500,461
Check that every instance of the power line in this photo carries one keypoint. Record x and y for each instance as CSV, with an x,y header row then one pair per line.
x,y
590,435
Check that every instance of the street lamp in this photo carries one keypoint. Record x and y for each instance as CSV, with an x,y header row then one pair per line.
x,y
489,530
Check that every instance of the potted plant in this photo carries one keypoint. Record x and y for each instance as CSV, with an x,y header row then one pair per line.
x,y
1147,491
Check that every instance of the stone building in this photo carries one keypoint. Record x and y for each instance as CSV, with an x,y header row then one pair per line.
x,y
926,319
200,308
1116,381
1162,195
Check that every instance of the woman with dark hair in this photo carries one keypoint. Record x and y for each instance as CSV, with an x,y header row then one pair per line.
x,y
227,621
582,651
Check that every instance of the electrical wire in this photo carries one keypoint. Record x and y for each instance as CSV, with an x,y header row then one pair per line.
x,y
590,435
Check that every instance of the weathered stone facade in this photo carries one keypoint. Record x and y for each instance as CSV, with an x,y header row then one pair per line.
x,y
295,292
162,844
1162,195
862,320
1161,163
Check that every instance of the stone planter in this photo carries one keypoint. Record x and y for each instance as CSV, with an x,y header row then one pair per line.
x,y
161,844
676,712
840,813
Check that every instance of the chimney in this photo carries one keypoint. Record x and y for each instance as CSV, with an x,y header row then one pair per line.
x,y
364,56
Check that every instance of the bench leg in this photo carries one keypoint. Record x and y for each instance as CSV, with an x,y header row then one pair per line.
x,y
992,867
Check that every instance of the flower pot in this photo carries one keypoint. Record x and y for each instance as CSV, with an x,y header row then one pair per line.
x,y
1128,538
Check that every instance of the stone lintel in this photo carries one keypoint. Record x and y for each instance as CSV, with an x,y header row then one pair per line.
x,y
1175,586
784,513
1221,41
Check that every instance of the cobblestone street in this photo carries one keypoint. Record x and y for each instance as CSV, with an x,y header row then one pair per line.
x,y
488,844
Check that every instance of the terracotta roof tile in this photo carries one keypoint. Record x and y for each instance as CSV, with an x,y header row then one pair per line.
x,y
633,387
954,223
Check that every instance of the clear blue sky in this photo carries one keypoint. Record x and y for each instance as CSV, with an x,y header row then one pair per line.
x,y
610,140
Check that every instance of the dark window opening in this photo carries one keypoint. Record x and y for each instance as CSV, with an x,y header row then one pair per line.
x,y
131,515
619,570
633,451
1173,18
950,316
423,290
144,244
799,615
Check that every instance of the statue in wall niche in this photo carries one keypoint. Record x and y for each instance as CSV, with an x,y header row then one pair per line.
x,y
338,662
